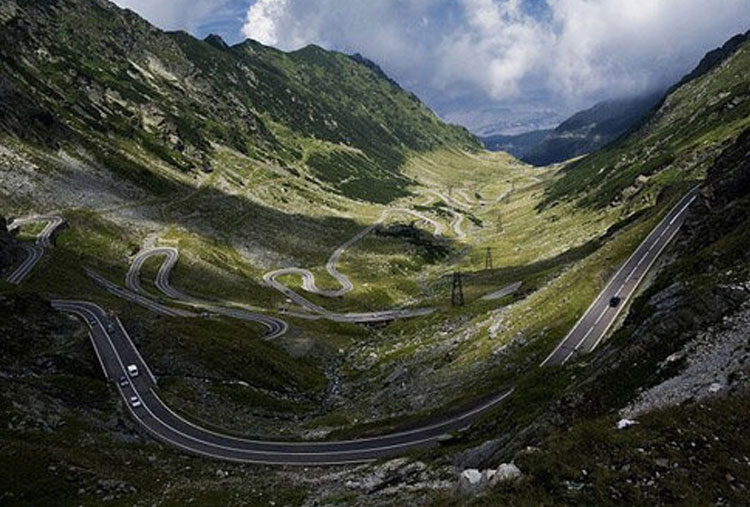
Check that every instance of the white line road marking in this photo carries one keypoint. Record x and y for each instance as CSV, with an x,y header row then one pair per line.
x,y
670,219
165,432
648,268
612,281
600,317
578,345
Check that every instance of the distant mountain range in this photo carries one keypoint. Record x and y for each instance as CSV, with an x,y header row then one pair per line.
x,y
582,133
676,141
595,128
506,120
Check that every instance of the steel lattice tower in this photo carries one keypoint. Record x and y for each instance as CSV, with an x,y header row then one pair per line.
x,y
457,294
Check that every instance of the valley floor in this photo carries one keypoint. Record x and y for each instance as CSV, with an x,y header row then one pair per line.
x,y
477,214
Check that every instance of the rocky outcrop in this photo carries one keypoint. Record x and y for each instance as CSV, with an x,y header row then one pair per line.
x,y
716,362
472,481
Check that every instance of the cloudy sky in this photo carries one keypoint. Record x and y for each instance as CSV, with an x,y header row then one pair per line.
x,y
514,64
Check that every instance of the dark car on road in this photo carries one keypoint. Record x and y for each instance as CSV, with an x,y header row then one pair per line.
x,y
615,301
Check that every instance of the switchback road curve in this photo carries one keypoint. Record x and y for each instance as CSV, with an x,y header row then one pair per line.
x,y
115,351
34,252
276,327
308,279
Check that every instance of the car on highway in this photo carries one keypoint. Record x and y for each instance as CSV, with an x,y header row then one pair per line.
x,y
124,382
135,402
615,301
132,370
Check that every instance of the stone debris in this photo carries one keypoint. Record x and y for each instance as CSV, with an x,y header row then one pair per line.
x,y
472,481
625,423
715,362
505,473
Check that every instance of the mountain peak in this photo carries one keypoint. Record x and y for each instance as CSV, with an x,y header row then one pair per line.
x,y
216,41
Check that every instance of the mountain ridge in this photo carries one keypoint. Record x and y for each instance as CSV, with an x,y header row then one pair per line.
x,y
678,139
177,95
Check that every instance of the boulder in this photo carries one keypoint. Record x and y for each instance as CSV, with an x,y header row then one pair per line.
x,y
471,481
506,472
625,423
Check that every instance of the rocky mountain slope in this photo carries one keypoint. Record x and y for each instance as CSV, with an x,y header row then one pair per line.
x,y
142,138
679,365
85,71
582,133
658,414
679,140
5,245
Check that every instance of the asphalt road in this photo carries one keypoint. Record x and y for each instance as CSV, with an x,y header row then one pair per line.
x,y
137,298
115,351
592,327
171,256
458,219
276,327
451,201
33,252
308,279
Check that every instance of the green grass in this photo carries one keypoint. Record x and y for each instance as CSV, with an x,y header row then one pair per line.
x,y
681,140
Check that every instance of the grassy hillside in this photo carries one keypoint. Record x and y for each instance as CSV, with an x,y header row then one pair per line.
x,y
677,142
678,365
87,72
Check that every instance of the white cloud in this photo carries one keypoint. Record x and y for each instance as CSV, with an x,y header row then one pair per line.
x,y
571,53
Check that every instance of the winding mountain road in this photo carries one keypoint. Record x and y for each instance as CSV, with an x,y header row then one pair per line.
x,y
137,298
458,220
450,201
34,252
276,327
115,351
308,278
